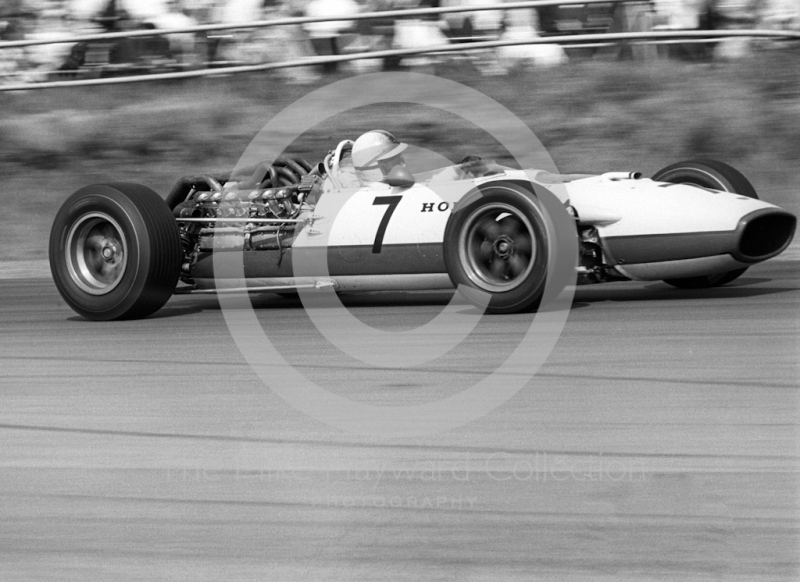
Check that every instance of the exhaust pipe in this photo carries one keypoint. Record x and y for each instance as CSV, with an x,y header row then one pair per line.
x,y
621,175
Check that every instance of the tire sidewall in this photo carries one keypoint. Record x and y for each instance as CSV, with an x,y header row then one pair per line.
x,y
692,175
526,295
110,201
709,174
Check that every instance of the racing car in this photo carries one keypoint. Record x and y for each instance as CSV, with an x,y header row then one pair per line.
x,y
120,251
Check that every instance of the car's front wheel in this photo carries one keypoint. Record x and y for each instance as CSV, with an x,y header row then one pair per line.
x,y
497,245
115,252
716,176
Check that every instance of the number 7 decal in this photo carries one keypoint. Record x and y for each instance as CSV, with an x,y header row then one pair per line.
x,y
391,202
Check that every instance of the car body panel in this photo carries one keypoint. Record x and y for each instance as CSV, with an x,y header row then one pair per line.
x,y
651,230
680,269
379,236
418,216
646,207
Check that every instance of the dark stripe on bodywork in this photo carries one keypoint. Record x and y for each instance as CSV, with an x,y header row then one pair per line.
x,y
345,260
656,248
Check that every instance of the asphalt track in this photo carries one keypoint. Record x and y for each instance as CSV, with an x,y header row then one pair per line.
x,y
659,441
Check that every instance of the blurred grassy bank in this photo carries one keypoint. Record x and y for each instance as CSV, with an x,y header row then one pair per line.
x,y
593,116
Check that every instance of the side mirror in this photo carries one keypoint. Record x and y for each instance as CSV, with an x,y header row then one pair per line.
x,y
399,177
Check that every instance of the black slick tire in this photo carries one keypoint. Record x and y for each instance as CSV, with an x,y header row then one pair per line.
x,y
115,252
497,244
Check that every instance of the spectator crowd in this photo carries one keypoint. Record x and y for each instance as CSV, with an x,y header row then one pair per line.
x,y
50,19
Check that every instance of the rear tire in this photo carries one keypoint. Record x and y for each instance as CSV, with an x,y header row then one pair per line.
x,y
498,246
115,252
717,176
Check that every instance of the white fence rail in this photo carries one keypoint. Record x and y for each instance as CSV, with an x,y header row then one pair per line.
x,y
308,20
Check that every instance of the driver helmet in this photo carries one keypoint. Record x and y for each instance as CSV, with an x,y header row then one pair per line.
x,y
375,153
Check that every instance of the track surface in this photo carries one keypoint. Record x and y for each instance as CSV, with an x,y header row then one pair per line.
x,y
658,442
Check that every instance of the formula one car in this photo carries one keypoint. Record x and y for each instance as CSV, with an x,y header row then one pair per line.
x,y
118,251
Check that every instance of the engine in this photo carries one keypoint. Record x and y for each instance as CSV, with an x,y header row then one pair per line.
x,y
258,209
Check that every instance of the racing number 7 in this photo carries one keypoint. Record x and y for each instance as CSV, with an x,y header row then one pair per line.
x,y
391,202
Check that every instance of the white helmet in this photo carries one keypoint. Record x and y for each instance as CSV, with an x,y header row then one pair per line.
x,y
375,153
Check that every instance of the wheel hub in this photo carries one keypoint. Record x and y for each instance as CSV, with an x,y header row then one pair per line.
x,y
503,247
110,251
95,253
497,247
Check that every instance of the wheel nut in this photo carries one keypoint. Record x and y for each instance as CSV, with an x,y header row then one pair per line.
x,y
108,252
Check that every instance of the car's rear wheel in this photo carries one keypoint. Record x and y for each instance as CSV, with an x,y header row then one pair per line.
x,y
498,245
115,252
717,176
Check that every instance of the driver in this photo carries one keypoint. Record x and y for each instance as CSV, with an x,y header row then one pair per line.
x,y
375,153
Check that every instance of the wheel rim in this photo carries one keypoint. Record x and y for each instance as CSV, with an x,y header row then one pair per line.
x,y
96,253
497,247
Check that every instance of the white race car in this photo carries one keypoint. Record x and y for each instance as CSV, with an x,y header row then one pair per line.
x,y
118,250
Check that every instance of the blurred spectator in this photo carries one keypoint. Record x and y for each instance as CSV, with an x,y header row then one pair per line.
x,y
284,43
678,14
418,32
232,11
522,25
685,15
201,11
164,14
52,22
119,15
634,16
15,18
473,26
327,37
482,25
260,45
375,34
726,15
104,13
235,46
46,19
780,14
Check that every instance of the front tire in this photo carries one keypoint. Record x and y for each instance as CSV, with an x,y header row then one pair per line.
x,y
497,244
717,176
115,252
